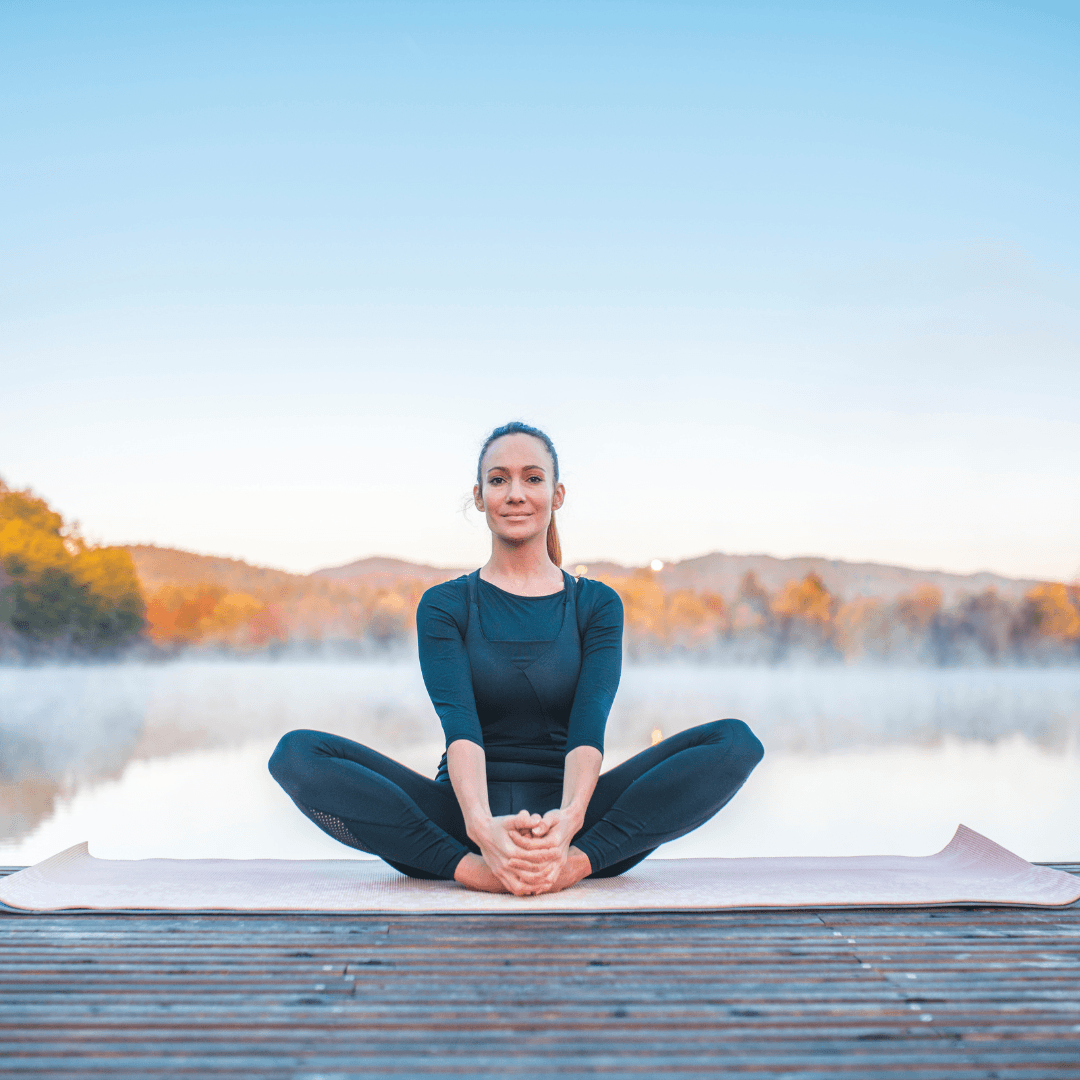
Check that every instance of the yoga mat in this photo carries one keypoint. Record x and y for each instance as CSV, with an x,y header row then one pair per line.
x,y
969,870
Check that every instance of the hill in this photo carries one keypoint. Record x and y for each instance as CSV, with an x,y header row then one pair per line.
x,y
158,567
715,572
384,569
206,601
720,573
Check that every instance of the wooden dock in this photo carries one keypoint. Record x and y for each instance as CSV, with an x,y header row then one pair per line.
x,y
859,994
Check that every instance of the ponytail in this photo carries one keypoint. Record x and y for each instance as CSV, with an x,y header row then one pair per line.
x,y
554,548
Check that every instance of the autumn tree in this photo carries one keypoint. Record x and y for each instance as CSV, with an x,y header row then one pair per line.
x,y
804,610
862,627
692,618
211,616
63,592
751,611
1049,620
918,609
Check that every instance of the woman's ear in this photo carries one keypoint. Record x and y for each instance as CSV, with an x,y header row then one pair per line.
x,y
557,497
477,498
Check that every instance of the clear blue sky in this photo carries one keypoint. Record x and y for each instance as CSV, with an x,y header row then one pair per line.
x,y
801,278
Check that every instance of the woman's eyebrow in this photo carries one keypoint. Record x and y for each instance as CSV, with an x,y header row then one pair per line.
x,y
504,468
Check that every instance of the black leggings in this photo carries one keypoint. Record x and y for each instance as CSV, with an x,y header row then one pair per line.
x,y
370,802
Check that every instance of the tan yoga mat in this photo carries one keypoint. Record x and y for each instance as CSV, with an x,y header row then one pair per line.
x,y
969,870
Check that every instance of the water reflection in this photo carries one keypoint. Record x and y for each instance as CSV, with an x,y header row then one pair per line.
x,y
170,759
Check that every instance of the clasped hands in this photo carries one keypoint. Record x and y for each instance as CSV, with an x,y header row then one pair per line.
x,y
529,853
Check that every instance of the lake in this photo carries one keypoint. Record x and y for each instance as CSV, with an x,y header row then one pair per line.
x,y
170,759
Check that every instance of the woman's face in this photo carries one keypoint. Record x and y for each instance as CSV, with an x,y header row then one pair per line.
x,y
519,490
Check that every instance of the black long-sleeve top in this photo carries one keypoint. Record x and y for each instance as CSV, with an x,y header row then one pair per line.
x,y
536,677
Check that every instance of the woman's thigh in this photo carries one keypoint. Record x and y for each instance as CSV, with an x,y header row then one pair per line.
x,y
732,736
307,762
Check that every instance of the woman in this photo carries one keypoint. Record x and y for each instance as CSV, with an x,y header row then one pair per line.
x,y
522,662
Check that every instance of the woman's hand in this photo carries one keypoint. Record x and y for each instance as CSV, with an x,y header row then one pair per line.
x,y
521,866
547,843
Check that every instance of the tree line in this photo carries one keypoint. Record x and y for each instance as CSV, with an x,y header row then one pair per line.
x,y
62,596
802,620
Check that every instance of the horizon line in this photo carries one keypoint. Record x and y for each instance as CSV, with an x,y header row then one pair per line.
x,y
667,564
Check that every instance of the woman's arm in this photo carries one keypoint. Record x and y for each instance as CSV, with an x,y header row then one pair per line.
x,y
444,662
601,612
467,764
579,781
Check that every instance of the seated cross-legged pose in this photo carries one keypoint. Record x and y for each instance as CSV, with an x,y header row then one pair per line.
x,y
522,662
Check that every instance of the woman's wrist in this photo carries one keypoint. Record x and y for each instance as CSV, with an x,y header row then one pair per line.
x,y
478,826
574,813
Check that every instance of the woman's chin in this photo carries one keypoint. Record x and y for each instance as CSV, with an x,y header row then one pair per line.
x,y
517,536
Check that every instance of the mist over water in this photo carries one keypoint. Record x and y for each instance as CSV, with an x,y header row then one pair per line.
x,y
170,759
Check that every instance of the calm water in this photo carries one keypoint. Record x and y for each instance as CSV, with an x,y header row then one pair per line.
x,y
170,759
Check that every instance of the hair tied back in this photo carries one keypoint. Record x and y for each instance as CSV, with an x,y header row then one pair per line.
x,y
517,427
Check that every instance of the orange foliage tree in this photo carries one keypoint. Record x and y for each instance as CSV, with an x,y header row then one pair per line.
x,y
1050,613
804,610
61,591
209,615
918,609
861,628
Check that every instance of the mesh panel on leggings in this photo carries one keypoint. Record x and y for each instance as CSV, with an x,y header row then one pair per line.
x,y
334,826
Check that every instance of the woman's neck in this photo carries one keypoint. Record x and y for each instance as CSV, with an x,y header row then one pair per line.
x,y
524,569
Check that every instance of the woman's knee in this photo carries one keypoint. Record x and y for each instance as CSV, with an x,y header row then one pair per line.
x,y
739,742
291,756
745,743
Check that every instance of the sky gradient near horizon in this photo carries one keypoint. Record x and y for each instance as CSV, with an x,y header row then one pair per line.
x,y
783,277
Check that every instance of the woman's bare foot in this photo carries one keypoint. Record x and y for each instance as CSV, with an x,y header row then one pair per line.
x,y
576,868
473,873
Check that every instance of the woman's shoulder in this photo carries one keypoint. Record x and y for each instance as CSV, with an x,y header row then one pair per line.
x,y
449,598
594,598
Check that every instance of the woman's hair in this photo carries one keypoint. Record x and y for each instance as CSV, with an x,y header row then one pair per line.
x,y
516,427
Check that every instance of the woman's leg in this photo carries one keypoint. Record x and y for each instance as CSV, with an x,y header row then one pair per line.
x,y
372,803
665,792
